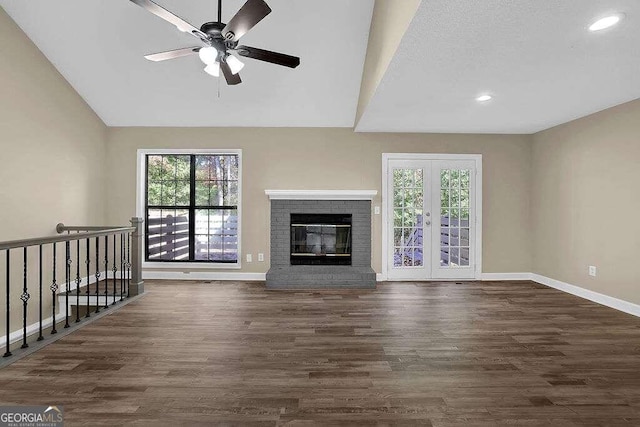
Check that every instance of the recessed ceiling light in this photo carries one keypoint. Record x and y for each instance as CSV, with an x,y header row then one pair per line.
x,y
484,98
606,22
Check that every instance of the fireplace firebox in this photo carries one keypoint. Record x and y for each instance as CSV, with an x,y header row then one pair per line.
x,y
320,239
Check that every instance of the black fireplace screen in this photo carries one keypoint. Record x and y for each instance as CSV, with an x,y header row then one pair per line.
x,y
320,239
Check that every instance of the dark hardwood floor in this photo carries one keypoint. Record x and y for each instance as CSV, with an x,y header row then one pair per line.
x,y
442,354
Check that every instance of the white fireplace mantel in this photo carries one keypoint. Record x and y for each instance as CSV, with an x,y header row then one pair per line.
x,y
321,194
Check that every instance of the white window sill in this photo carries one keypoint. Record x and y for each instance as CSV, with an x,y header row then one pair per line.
x,y
190,266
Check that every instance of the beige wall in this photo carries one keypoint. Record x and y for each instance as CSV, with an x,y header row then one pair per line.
x,y
50,143
338,159
554,203
391,19
51,150
586,198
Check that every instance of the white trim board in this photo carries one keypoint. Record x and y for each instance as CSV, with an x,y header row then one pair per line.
x,y
19,353
607,301
190,266
203,275
321,194
141,180
82,301
33,328
505,276
598,298
602,299
16,336
83,281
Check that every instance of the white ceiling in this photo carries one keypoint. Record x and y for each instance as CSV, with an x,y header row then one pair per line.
x,y
536,57
98,46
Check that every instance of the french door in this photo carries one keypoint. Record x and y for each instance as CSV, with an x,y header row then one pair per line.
x,y
431,216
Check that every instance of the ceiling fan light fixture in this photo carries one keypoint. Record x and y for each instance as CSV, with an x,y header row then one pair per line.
x,y
218,40
208,55
606,22
234,64
213,69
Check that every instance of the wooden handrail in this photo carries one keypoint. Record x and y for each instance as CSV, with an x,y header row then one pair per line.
x,y
14,244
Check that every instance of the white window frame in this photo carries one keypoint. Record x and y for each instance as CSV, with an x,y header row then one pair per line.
x,y
477,158
141,180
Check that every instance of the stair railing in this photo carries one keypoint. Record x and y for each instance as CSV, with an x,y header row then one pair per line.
x,y
103,250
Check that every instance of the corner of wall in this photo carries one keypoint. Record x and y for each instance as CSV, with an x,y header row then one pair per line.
x,y
581,185
389,23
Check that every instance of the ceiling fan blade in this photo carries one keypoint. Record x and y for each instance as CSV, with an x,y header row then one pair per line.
x,y
172,54
163,13
268,56
247,17
232,79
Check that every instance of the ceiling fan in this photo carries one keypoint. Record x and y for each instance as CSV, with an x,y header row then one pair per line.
x,y
220,40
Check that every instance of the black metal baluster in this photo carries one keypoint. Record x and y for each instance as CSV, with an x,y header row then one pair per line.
x,y
88,262
97,274
40,337
68,282
121,266
128,263
7,348
54,290
78,281
114,269
106,272
25,298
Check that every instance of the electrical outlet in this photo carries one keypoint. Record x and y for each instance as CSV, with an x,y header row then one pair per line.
x,y
249,258
593,271
261,257
376,210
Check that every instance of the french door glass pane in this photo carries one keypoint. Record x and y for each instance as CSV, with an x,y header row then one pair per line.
x,y
408,201
454,231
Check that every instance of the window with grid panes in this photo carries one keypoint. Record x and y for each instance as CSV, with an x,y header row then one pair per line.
x,y
192,207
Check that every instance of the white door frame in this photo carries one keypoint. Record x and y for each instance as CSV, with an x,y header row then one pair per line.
x,y
386,157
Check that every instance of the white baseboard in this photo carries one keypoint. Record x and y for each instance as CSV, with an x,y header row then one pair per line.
x,y
33,328
214,275
606,300
505,276
83,281
203,275
485,276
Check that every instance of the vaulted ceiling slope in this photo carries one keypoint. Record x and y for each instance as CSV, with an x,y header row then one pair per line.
x,y
537,59
98,46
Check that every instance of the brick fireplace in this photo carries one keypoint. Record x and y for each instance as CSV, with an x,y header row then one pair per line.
x,y
322,252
